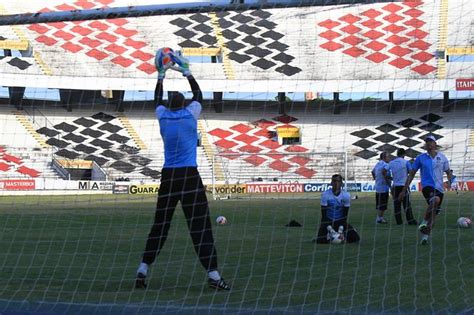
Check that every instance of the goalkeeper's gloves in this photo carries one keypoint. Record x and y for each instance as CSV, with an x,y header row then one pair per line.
x,y
182,63
331,232
161,68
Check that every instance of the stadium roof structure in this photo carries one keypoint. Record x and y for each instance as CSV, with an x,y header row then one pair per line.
x,y
377,46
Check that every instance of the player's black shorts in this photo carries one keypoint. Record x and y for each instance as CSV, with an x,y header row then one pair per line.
x,y
184,184
397,190
430,192
381,201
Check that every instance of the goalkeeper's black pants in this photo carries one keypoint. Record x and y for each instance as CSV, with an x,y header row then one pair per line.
x,y
185,185
350,233
397,206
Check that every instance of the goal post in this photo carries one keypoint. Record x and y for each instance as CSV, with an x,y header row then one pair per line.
x,y
236,175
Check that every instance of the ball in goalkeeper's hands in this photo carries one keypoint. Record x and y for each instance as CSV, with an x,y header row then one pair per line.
x,y
164,59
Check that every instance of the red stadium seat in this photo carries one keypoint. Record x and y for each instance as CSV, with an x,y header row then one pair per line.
x,y
28,171
11,158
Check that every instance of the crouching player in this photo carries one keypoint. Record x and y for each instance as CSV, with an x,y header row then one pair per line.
x,y
335,204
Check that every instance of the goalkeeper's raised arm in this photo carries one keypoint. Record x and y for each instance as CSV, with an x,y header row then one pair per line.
x,y
182,65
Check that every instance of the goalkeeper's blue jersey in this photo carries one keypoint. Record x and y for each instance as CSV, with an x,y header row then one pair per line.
x,y
179,132
335,203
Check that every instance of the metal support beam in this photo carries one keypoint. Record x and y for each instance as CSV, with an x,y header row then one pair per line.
x,y
281,103
117,99
337,103
15,96
446,102
391,106
218,103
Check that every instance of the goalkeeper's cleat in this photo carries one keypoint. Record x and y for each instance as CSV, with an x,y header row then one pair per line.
x,y
424,228
413,222
219,285
424,240
140,281
381,221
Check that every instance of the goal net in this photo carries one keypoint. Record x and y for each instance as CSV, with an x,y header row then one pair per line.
x,y
293,93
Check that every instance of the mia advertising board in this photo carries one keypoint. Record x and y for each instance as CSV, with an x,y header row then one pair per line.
x,y
93,185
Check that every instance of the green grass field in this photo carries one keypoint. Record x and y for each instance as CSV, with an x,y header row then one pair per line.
x,y
57,253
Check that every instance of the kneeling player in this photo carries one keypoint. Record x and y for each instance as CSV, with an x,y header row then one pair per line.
x,y
335,204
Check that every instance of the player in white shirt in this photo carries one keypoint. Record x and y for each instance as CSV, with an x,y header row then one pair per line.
x,y
380,173
335,204
399,168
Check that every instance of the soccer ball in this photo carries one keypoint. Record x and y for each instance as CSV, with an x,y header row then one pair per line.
x,y
163,58
464,222
221,220
335,237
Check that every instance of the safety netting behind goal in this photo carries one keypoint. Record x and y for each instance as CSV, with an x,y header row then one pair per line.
x,y
294,93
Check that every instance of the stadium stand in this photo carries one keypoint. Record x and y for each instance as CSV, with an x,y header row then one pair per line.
x,y
242,149
24,163
362,135
367,43
91,135
101,137
363,43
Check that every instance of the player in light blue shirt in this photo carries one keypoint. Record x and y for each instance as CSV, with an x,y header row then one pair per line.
x,y
380,173
399,168
180,179
432,165
335,204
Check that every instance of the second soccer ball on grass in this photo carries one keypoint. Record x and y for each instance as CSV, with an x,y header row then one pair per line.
x,y
464,222
221,220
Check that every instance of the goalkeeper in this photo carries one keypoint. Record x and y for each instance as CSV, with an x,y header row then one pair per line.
x,y
180,179
335,204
